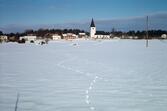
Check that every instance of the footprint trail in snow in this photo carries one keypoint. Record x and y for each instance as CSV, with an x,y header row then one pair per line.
x,y
92,83
87,96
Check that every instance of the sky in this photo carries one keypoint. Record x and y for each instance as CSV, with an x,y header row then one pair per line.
x,y
26,13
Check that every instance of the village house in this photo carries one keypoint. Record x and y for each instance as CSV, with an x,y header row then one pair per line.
x,y
29,38
56,37
3,38
164,36
69,36
12,39
82,35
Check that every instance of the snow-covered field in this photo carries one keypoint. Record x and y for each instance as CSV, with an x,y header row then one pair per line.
x,y
116,75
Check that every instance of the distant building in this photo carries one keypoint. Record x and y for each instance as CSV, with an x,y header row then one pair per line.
x,y
3,38
12,39
56,37
164,36
135,37
94,34
82,35
28,38
130,37
69,36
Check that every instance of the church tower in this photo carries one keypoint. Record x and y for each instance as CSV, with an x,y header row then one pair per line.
x,y
92,29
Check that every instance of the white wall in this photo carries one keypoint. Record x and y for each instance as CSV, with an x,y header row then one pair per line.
x,y
28,38
56,37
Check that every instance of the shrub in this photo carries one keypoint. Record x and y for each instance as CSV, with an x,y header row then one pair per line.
x,y
31,41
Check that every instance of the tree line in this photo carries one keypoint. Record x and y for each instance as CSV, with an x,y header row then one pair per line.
x,y
45,33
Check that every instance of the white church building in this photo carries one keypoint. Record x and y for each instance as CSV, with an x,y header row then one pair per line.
x,y
93,33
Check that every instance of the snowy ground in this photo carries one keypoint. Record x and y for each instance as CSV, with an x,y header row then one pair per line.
x,y
116,75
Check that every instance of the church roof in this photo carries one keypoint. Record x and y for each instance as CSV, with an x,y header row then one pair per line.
x,y
101,33
92,24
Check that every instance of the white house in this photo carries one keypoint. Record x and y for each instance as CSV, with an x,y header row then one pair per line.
x,y
56,37
82,35
163,36
69,36
28,38
3,38
93,33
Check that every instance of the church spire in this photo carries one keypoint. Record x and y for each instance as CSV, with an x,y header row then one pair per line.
x,y
92,23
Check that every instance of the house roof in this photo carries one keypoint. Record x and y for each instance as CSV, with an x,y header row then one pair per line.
x,y
92,23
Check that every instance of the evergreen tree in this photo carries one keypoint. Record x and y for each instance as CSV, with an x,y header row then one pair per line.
x,y
1,33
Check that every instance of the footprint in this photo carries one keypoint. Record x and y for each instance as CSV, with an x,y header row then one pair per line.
x,y
96,77
87,96
87,101
90,88
69,68
92,108
91,84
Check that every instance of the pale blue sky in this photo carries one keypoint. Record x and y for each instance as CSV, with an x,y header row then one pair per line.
x,y
36,12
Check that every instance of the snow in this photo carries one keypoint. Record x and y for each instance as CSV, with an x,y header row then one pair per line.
x,y
112,75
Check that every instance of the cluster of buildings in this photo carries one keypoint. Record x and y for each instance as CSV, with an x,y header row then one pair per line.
x,y
69,36
53,37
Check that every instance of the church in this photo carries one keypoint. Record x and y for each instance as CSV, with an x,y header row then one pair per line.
x,y
94,34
